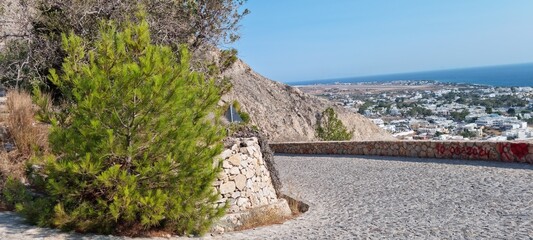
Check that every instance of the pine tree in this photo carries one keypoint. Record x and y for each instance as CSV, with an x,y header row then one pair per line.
x,y
135,146
330,128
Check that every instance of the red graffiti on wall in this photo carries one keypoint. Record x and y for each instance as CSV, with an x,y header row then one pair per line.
x,y
508,150
469,151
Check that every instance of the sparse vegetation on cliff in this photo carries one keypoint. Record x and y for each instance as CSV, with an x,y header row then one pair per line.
x,y
200,24
330,128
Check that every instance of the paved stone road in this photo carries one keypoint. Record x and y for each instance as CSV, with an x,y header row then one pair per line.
x,y
387,198
393,198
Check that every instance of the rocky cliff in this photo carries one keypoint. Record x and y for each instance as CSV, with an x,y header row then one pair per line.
x,y
284,113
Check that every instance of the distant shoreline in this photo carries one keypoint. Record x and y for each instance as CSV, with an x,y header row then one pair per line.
x,y
515,75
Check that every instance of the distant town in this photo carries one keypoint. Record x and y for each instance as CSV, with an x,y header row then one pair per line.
x,y
439,111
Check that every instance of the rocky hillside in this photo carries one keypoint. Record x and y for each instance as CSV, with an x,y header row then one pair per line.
x,y
285,113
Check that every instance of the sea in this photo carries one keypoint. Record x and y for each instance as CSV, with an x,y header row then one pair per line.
x,y
515,75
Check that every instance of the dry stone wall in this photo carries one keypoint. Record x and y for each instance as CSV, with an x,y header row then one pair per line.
x,y
245,184
520,152
245,180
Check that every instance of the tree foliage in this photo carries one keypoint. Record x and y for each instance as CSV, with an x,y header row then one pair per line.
x,y
197,23
416,111
330,128
460,116
134,149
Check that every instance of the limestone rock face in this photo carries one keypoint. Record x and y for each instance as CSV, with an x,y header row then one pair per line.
x,y
14,20
284,113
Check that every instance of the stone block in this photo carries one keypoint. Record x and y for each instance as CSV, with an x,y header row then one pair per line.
x,y
240,182
251,149
225,154
241,201
250,173
244,164
236,195
235,160
226,165
228,187
234,171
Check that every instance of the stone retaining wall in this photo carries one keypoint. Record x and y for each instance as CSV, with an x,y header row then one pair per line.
x,y
245,184
521,152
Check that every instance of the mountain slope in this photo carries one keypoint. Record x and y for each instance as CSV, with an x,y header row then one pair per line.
x,y
284,113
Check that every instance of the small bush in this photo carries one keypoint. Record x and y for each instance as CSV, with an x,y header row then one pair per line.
x,y
244,116
14,192
330,128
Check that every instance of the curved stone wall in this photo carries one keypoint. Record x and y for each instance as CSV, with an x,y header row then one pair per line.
x,y
521,152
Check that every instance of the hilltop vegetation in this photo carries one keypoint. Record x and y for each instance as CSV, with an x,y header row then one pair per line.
x,y
199,24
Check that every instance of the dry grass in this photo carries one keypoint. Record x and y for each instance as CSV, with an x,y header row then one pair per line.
x,y
19,129
258,218
261,218
25,132
10,168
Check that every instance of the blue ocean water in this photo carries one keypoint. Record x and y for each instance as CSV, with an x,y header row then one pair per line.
x,y
516,75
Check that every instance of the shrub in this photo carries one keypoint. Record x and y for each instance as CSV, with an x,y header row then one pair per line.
x,y
330,128
13,192
134,149
244,115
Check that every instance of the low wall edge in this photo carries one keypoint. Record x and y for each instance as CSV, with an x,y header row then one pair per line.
x,y
502,151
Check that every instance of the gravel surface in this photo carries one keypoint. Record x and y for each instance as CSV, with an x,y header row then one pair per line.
x,y
384,198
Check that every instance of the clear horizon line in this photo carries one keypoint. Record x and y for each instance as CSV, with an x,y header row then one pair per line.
x,y
408,72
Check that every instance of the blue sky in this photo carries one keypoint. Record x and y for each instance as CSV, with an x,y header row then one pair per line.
x,y
295,40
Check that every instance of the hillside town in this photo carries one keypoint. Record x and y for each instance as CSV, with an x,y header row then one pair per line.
x,y
438,111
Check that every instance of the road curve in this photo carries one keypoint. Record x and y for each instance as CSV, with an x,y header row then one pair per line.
x,y
383,198
399,198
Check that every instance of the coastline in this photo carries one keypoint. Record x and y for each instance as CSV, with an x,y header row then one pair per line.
x,y
514,75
